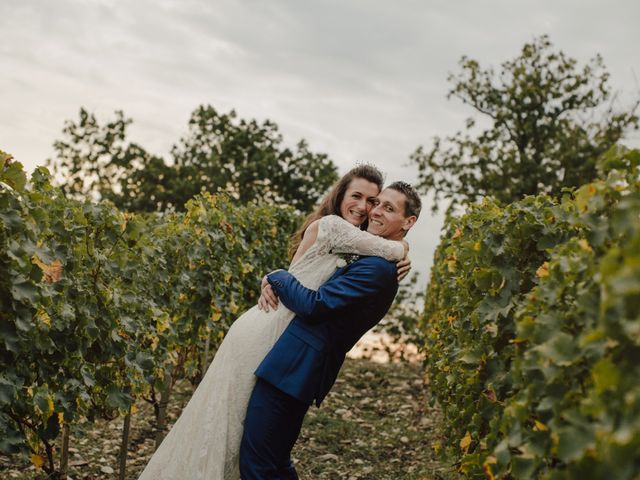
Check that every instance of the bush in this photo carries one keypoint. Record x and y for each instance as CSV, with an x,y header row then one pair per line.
x,y
100,307
532,325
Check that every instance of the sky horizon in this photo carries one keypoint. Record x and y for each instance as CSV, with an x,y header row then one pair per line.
x,y
360,81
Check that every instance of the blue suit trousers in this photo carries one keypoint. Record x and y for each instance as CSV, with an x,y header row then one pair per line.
x,y
271,428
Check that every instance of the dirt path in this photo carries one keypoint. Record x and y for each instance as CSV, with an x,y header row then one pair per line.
x,y
375,424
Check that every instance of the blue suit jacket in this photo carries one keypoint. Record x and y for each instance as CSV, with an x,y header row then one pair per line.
x,y
306,359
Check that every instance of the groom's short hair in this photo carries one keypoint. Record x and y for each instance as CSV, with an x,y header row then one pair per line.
x,y
412,204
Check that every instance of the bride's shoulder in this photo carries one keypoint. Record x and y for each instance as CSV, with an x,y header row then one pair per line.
x,y
327,227
334,220
321,226
333,225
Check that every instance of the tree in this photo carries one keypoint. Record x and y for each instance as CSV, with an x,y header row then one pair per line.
x,y
550,121
219,153
95,160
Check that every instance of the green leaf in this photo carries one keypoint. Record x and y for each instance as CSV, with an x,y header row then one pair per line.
x,y
87,376
9,336
572,443
13,174
11,442
41,399
118,399
471,358
548,241
7,390
25,290
606,376
502,452
627,280
11,218
561,349
523,467
24,319
144,360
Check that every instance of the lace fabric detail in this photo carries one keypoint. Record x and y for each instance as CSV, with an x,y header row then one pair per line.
x,y
345,238
205,441
336,235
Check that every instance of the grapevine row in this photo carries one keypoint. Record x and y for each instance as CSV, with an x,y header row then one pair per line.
x,y
100,307
532,332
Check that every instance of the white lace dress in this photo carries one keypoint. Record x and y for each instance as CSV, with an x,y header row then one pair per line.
x,y
205,441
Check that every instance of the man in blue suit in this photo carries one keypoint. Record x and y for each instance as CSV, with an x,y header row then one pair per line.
x,y
305,361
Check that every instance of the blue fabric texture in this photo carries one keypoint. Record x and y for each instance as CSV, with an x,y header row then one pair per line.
x,y
306,359
272,426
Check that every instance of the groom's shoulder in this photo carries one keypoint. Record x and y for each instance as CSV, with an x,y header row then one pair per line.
x,y
378,264
374,260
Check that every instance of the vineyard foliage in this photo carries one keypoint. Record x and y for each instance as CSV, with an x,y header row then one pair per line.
x,y
100,307
532,332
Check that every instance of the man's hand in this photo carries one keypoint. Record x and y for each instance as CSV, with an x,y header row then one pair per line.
x,y
268,299
403,267
405,244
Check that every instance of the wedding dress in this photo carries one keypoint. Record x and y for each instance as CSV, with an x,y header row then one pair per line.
x,y
204,443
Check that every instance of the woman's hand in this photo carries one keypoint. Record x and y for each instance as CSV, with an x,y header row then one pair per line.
x,y
268,299
403,267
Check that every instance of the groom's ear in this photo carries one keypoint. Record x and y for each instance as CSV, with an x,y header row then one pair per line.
x,y
408,223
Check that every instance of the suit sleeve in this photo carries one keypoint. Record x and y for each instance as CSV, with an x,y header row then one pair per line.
x,y
362,280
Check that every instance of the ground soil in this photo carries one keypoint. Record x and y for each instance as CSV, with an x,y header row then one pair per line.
x,y
376,423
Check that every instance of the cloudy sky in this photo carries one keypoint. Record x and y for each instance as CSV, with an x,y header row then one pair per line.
x,y
361,80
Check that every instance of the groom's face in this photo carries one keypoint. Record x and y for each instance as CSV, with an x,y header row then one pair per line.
x,y
387,218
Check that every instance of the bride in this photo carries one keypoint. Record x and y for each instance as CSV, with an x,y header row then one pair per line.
x,y
205,441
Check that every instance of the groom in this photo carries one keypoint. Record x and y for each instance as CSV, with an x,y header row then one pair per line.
x,y
304,363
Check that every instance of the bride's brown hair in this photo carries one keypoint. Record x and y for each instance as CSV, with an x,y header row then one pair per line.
x,y
330,204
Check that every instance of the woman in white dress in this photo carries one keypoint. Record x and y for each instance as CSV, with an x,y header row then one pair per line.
x,y
204,443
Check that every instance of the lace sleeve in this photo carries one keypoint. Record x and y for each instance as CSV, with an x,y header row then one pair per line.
x,y
343,237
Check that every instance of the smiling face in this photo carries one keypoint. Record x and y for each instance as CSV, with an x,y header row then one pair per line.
x,y
358,200
387,218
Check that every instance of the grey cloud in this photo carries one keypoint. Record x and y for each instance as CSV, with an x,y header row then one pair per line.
x,y
361,80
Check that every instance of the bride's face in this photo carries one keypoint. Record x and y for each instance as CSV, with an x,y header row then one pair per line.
x,y
358,200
